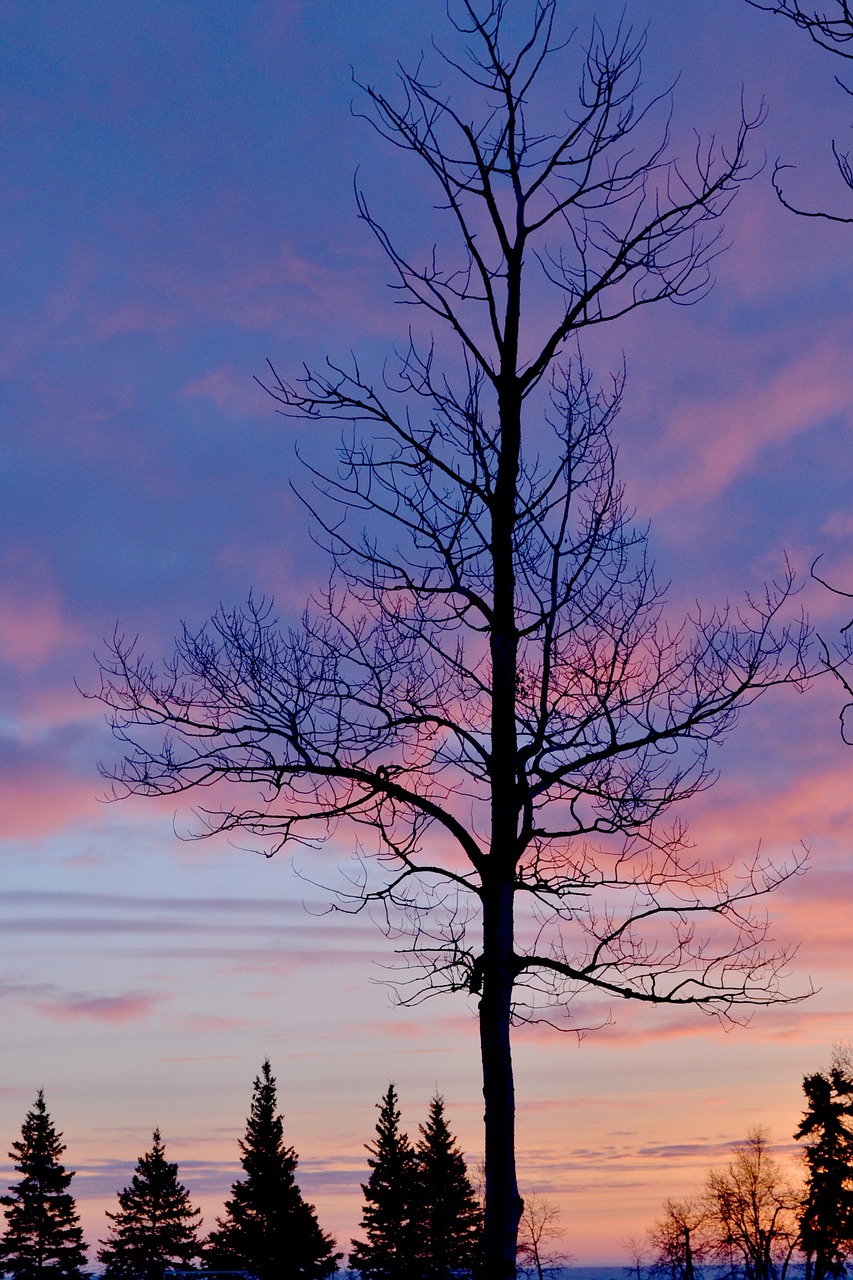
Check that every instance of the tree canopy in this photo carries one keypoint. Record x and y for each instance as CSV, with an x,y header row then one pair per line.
x,y
826,1129
268,1228
155,1225
449,1215
492,697
391,1244
43,1236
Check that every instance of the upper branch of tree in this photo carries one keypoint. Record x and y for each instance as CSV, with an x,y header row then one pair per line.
x,y
377,713
832,29
631,224
837,657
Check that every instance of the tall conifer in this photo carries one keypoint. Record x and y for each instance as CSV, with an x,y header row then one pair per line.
x,y
392,1247
268,1229
826,1228
447,1211
43,1236
155,1225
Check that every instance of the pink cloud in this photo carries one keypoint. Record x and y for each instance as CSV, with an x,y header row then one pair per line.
x,y
396,1029
839,524
215,1022
816,804
279,294
764,258
130,1007
33,630
206,1057
139,316
32,807
787,1024
205,266
273,28
710,443
232,391
31,335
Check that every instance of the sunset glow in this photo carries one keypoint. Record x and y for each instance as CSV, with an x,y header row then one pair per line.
x,y
176,208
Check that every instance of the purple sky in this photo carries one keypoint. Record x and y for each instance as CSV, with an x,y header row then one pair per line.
x,y
176,207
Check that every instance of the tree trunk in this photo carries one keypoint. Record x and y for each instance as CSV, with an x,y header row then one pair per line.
x,y
503,1202
689,1273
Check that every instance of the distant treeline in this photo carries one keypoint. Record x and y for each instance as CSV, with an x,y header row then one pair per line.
x,y
422,1217
752,1221
421,1220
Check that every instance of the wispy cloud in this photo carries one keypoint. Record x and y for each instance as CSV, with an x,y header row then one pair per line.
x,y
128,1007
65,1005
710,442
33,630
231,390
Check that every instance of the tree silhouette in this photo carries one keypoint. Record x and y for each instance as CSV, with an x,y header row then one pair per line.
x,y
831,27
448,1214
391,1248
826,1227
155,1225
637,1249
746,1220
753,1211
43,1236
680,1240
268,1229
538,1230
492,696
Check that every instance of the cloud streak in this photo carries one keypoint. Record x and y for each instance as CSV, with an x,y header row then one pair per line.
x,y
710,443
120,1009
68,1005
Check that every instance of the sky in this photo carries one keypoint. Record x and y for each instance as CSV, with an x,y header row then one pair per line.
x,y
176,207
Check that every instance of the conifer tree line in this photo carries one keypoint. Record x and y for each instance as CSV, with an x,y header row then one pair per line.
x,y
755,1220
421,1220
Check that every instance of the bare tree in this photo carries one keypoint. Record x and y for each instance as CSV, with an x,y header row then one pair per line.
x,y
836,656
680,1240
747,1219
754,1210
637,1249
830,27
491,696
540,1227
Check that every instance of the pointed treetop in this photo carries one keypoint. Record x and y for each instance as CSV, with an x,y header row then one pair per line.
x,y
268,1229
155,1225
43,1233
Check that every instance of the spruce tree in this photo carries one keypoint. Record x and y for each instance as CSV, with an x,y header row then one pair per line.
x,y
826,1228
155,1225
43,1236
449,1217
268,1229
392,1246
